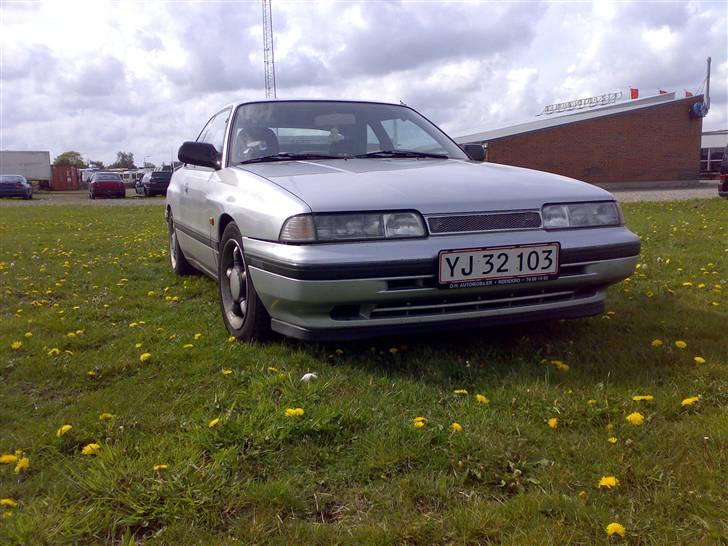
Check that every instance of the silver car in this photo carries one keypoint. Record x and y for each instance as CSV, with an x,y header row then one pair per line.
x,y
328,220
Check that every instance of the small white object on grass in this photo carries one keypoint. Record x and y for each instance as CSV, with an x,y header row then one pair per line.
x,y
309,377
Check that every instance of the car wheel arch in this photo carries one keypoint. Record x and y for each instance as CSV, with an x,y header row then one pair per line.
x,y
222,223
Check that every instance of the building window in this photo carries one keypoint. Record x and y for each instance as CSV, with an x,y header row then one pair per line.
x,y
710,159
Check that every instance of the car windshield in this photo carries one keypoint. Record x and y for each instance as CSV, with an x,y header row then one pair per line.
x,y
329,129
11,178
107,177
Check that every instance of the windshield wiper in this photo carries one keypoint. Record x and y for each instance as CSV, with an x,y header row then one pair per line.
x,y
402,153
288,156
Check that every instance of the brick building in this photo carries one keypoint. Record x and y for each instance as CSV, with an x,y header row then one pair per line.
x,y
652,139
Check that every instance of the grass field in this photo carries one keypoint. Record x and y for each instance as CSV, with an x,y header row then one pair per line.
x,y
86,294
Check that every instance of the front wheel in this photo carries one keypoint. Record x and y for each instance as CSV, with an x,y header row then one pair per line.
x,y
242,311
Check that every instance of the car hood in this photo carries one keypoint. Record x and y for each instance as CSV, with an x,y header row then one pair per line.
x,y
430,186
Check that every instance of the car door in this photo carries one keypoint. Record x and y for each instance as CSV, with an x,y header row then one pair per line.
x,y
197,183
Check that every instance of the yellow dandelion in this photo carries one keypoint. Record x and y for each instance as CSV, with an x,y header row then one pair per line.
x,y
460,392
635,418
226,371
151,293
271,369
133,325
231,339
456,427
612,440
91,373
690,401
591,402
643,398
137,345
699,360
187,346
553,422
560,365
144,357
198,335
28,334
481,399
158,467
680,344
61,431
615,528
8,458
23,465
10,503
393,350
106,417
339,352
214,422
608,482
294,412
15,345
90,449
656,343
420,422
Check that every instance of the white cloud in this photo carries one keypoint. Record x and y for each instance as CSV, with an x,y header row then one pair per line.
x,y
100,77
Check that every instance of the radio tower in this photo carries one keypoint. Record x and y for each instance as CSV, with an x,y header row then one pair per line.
x,y
269,62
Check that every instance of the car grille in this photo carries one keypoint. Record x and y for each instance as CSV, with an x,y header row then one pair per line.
x,y
484,222
457,304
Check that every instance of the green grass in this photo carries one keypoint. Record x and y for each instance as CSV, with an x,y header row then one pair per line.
x,y
353,468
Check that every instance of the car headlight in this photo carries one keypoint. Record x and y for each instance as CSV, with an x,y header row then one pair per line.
x,y
306,228
576,215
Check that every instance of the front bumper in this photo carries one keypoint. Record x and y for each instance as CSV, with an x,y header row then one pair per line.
x,y
14,192
354,290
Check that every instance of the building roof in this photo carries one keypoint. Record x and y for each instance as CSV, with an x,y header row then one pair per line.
x,y
546,121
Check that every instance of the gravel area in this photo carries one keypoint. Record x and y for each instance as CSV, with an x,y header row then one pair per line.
x,y
628,196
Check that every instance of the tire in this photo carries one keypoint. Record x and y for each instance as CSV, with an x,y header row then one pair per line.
x,y
243,313
146,192
177,259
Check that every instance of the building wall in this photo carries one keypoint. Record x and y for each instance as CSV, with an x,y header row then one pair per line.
x,y
655,143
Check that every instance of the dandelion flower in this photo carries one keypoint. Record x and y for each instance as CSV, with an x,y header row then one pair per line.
x,y
339,352
271,369
635,418
28,334
226,371
456,427
137,345
656,343
294,412
214,422
61,431
10,503
481,399
8,458
612,440
615,528
680,344
23,465
144,357
560,365
553,422
106,417
460,392
420,422
91,373
591,402
198,335
699,360
231,339
151,293
158,467
90,449
643,398
393,350
187,346
15,345
608,482
690,401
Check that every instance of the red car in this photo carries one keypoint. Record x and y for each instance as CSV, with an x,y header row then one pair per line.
x,y
106,185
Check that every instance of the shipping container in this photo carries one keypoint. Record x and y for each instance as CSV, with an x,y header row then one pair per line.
x,y
65,178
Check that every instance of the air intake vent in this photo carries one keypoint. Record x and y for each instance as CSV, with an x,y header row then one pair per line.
x,y
473,223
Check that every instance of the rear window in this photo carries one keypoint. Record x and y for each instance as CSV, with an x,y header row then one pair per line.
x,y
12,178
107,177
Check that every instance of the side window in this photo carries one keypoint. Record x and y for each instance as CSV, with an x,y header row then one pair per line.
x,y
214,133
406,135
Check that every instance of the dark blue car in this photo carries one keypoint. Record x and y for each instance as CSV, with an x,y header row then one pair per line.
x,y
15,185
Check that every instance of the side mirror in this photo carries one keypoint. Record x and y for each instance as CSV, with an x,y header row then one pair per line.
x,y
202,154
476,152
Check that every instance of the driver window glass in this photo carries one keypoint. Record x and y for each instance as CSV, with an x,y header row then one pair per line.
x,y
215,131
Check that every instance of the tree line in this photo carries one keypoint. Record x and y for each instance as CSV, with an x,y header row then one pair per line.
x,y
124,160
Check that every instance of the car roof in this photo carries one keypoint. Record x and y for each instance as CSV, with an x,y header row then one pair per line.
x,y
306,99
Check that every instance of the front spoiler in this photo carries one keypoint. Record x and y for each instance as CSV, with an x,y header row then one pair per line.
x,y
365,332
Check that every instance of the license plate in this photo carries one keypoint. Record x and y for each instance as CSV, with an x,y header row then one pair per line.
x,y
498,265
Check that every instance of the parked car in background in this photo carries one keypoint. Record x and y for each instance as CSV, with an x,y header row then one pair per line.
x,y
328,220
723,187
15,185
103,184
154,183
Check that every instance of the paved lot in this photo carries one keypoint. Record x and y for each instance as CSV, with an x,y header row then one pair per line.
x,y
81,197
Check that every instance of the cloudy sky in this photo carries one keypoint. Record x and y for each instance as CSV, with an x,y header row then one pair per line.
x,y
142,77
